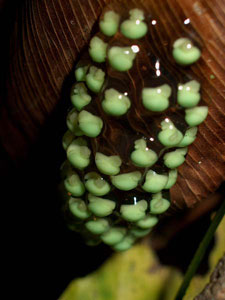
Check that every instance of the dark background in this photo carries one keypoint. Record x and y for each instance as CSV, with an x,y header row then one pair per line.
x,y
43,256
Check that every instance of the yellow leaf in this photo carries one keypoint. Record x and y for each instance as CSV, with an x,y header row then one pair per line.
x,y
135,275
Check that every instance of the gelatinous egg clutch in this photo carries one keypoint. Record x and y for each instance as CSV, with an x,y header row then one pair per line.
x,y
134,115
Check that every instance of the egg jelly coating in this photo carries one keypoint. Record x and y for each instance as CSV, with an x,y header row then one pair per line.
x,y
134,114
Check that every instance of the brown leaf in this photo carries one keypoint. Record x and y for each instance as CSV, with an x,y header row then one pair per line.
x,y
47,39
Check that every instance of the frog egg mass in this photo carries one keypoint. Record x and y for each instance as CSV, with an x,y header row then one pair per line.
x,y
134,113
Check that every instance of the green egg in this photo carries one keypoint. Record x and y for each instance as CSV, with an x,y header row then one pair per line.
x,y
196,115
95,79
125,244
184,52
73,184
79,96
121,58
113,236
169,136
189,137
158,204
188,94
101,93
67,139
96,185
72,122
97,49
142,156
147,222
109,165
92,242
127,181
80,73
156,99
140,232
78,153
172,178
115,103
133,212
134,27
100,207
65,168
90,124
78,208
97,226
175,158
110,23
154,182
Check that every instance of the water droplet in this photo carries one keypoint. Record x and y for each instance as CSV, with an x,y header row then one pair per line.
x,y
135,48
187,21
